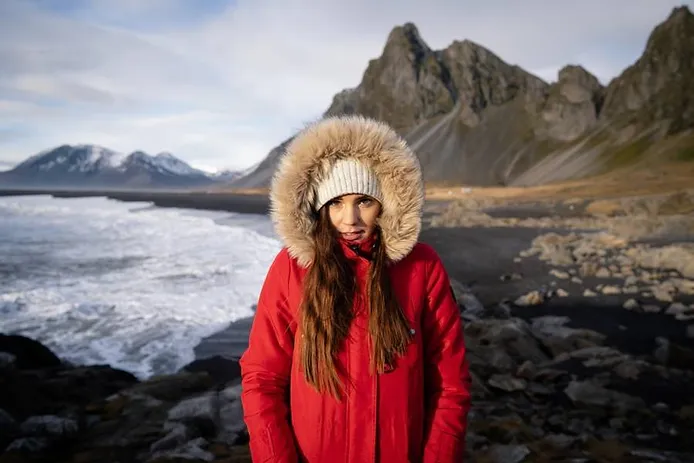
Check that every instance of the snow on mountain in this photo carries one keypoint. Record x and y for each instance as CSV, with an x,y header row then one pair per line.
x,y
4,165
78,158
171,163
227,175
93,165
163,163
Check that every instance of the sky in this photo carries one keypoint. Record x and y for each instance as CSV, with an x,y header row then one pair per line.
x,y
219,83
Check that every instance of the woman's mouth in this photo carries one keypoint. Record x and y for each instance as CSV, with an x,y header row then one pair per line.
x,y
352,236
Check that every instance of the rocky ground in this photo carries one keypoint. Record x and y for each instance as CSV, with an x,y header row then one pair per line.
x,y
590,361
54,412
594,359
543,391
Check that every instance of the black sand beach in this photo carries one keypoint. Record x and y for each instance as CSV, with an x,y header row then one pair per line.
x,y
570,377
478,257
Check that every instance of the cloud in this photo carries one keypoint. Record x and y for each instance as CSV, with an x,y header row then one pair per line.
x,y
221,82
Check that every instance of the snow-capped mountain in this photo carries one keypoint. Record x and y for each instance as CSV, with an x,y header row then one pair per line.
x,y
5,166
227,175
95,166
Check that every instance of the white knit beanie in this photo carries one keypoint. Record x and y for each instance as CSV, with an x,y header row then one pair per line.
x,y
347,176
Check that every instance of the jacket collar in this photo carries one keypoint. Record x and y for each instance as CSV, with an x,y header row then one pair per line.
x,y
362,250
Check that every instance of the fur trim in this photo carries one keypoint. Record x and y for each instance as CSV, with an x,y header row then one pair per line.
x,y
308,159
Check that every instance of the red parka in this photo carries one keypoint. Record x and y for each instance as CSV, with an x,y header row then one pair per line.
x,y
414,412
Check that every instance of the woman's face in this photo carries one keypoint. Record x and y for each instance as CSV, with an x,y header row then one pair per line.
x,y
354,216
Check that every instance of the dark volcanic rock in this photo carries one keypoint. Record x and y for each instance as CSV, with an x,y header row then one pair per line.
x,y
60,412
28,353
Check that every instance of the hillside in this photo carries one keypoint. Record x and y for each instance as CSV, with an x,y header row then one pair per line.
x,y
475,119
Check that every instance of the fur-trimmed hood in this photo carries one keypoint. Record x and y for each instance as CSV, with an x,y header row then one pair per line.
x,y
307,160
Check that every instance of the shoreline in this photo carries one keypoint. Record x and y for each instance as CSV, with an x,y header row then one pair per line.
x,y
565,377
477,257
239,203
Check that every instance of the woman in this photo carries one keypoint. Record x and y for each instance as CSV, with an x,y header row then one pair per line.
x,y
356,353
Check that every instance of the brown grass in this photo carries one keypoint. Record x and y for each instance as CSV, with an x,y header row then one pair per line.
x,y
655,179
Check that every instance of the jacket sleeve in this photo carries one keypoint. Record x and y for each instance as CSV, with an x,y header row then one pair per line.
x,y
447,377
265,371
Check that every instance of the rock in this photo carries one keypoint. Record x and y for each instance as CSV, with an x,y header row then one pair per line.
x,y
588,269
49,426
501,346
562,293
96,413
7,361
29,354
560,274
171,387
673,355
203,406
603,273
683,285
508,453
531,298
558,338
651,308
679,257
507,383
177,436
29,444
588,293
8,428
630,290
555,249
222,370
631,304
662,294
611,289
677,308
472,307
58,390
590,393
190,451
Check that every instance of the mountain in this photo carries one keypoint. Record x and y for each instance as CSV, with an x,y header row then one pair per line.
x,y
475,119
4,166
226,175
91,166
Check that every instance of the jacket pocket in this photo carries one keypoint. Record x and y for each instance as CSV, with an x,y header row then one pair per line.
x,y
278,443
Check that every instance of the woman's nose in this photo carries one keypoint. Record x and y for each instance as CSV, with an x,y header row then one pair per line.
x,y
351,215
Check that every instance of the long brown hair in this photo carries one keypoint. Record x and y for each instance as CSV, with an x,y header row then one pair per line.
x,y
326,310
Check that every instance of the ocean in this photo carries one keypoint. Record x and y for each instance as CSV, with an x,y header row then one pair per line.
x,y
127,284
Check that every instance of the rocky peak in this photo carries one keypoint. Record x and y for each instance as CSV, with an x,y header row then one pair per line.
x,y
578,75
406,37
679,14
672,36
572,105
658,86
403,86
483,79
